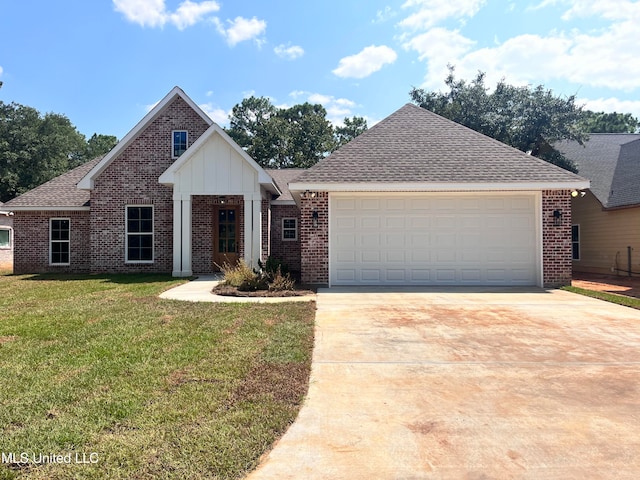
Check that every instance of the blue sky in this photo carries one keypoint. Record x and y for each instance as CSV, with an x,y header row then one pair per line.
x,y
104,63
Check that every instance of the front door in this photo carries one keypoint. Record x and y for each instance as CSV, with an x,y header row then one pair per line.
x,y
225,236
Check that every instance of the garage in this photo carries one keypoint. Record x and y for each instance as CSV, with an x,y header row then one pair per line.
x,y
434,239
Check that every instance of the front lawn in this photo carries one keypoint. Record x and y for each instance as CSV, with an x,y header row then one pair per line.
x,y
606,296
101,379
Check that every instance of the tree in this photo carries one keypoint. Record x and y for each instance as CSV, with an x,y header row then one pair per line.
x,y
529,119
99,145
298,136
34,148
352,127
601,122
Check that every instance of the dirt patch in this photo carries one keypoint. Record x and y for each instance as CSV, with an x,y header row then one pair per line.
x,y
228,291
285,382
7,339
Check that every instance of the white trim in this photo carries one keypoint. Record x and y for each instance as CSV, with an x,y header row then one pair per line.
x,y
436,186
51,240
173,144
87,181
126,235
50,209
283,228
10,230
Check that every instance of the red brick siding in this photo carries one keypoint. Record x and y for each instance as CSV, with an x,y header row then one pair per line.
x,y
314,241
556,240
31,240
287,251
202,230
132,179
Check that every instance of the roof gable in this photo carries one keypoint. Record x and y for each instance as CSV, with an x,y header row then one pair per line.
x,y
416,146
611,161
87,182
169,177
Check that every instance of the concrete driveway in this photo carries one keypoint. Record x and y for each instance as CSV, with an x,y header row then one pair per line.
x,y
467,384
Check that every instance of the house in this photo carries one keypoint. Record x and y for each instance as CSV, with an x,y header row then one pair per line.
x,y
606,219
6,239
417,199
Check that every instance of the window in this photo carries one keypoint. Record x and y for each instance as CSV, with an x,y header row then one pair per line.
x,y
5,238
290,229
139,248
575,241
59,230
179,143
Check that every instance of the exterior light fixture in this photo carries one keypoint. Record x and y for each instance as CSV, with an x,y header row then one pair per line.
x,y
223,200
557,218
575,193
314,218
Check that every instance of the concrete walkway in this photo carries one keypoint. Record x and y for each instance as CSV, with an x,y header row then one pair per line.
x,y
199,290
466,384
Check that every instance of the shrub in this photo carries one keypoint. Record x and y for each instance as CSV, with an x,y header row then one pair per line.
x,y
272,266
281,282
243,277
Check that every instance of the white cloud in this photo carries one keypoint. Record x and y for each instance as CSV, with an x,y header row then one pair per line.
x,y
337,108
598,58
611,105
218,115
431,12
153,13
241,29
289,52
369,60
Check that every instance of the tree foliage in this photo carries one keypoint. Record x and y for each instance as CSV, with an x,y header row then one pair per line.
x,y
530,119
298,136
34,148
601,122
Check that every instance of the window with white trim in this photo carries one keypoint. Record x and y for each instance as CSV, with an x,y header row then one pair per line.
x,y
290,229
5,238
59,241
178,142
575,242
139,233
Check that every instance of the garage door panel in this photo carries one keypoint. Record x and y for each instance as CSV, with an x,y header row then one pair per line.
x,y
433,240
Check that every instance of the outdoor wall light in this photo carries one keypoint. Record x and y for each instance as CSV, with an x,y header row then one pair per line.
x,y
575,193
223,200
557,218
314,218
309,194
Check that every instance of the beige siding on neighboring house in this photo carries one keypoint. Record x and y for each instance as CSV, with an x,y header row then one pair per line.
x,y
605,236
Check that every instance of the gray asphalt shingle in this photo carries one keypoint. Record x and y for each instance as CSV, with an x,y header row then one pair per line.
x,y
416,145
612,162
60,191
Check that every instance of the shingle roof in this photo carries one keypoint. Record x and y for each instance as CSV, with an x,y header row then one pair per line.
x,y
418,146
60,191
283,177
612,162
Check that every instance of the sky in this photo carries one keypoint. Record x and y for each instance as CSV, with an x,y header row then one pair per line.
x,y
105,63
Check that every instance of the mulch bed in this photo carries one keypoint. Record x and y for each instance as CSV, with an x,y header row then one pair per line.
x,y
229,291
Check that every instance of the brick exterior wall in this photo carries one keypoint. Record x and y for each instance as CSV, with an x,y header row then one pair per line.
x,y
31,252
556,240
202,222
287,251
6,254
314,241
132,179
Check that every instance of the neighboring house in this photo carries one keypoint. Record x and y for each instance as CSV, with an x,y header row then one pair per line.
x,y
417,199
6,239
606,220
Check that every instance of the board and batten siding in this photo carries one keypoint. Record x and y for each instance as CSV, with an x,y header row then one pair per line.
x,y
216,169
605,236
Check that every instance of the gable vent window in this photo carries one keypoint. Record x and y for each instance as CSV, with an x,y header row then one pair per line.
x,y
59,240
139,234
179,143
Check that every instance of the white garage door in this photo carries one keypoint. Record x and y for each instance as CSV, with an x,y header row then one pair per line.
x,y
454,239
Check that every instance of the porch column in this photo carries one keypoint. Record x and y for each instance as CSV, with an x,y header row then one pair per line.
x,y
252,228
182,235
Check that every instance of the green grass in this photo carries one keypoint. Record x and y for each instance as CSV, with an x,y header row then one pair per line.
x,y
609,297
155,388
